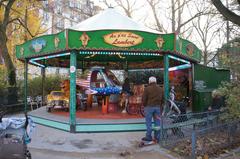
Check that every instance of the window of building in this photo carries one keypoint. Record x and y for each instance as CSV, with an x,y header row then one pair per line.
x,y
71,4
45,3
59,9
60,23
78,5
45,16
72,14
91,4
79,17
87,2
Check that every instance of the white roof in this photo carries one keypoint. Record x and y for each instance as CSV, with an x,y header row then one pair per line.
x,y
110,19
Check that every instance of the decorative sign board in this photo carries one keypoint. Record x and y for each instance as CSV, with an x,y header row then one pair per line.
x,y
72,69
123,39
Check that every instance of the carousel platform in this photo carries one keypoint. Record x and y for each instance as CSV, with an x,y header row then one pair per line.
x,y
89,121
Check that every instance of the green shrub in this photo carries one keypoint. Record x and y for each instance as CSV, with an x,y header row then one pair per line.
x,y
51,83
232,93
3,80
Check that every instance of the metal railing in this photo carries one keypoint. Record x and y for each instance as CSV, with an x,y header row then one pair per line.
x,y
195,134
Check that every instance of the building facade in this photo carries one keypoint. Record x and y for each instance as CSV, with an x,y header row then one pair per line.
x,y
60,14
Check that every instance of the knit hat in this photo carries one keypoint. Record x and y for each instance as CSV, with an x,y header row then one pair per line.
x,y
152,79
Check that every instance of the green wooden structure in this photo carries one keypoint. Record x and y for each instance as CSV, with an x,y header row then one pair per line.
x,y
121,48
206,79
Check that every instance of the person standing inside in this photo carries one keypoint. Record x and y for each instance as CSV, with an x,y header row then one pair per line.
x,y
152,102
126,92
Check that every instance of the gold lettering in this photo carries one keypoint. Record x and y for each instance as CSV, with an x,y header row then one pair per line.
x,y
112,36
123,39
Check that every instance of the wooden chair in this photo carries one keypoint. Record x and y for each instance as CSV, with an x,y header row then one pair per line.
x,y
136,99
31,102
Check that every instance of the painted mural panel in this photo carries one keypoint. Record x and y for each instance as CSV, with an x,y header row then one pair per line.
x,y
42,45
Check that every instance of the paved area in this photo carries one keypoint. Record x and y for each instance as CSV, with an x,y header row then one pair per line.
x,y
48,142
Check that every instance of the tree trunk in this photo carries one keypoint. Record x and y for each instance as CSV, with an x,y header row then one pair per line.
x,y
229,15
179,17
173,16
205,57
11,70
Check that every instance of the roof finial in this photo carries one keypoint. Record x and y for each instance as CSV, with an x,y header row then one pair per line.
x,y
110,6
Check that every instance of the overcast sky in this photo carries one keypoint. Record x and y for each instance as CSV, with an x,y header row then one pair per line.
x,y
144,15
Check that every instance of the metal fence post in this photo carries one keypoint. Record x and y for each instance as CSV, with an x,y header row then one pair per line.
x,y
231,129
208,122
161,128
194,144
25,85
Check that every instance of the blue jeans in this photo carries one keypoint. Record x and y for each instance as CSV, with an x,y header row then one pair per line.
x,y
152,113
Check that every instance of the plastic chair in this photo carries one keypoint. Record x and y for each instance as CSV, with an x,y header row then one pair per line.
x,y
31,102
38,99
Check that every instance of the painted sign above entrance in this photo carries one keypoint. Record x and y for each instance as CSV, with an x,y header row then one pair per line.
x,y
123,39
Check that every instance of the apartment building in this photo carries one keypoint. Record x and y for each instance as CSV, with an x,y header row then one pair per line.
x,y
60,14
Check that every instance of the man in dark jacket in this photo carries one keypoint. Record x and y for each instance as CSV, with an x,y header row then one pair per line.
x,y
152,101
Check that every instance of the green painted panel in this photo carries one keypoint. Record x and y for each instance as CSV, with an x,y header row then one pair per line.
x,y
73,66
91,128
201,100
208,77
187,48
97,41
166,77
42,45
51,123
55,43
110,127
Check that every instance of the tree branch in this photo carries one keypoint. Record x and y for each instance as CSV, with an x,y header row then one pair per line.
x,y
12,20
153,5
1,2
22,24
229,15
7,12
210,60
189,20
106,3
127,9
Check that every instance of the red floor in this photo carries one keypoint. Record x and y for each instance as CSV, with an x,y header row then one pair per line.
x,y
96,113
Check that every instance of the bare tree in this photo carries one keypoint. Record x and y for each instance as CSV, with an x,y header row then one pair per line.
x,y
153,5
176,10
208,30
178,20
128,6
